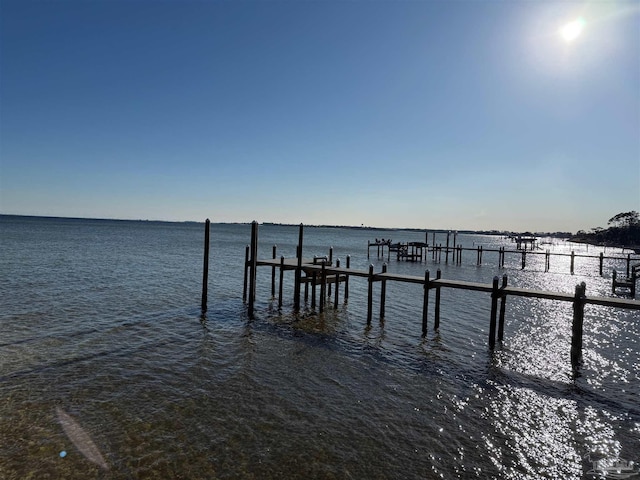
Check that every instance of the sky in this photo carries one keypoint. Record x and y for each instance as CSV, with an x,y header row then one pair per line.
x,y
475,115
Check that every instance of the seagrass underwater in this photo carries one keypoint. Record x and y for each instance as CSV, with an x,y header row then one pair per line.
x,y
106,357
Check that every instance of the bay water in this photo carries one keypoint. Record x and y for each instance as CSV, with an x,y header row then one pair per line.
x,y
101,320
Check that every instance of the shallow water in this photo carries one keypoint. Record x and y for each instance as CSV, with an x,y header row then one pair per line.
x,y
101,319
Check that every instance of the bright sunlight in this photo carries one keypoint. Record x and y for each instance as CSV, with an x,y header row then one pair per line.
x,y
572,30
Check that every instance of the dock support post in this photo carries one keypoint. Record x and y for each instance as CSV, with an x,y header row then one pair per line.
x,y
330,263
296,294
524,258
601,261
503,301
281,282
447,254
383,291
273,273
495,293
346,280
323,286
335,301
547,260
478,256
370,295
246,273
614,276
436,320
576,330
573,255
253,266
205,269
425,303
314,278
628,265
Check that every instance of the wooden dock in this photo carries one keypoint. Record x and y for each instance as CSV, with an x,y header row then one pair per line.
x,y
322,273
420,251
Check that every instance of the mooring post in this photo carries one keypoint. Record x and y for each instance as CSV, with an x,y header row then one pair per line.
x,y
576,330
425,303
614,275
481,252
628,264
370,295
368,247
330,263
346,279
246,273
273,273
205,269
314,280
572,260
323,285
524,258
335,301
253,266
547,260
447,254
436,320
383,291
494,311
281,281
503,301
478,256
296,292
601,261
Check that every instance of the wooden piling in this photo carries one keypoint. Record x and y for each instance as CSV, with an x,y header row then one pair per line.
x,y
601,262
494,310
370,295
425,303
503,301
330,263
246,273
253,267
298,278
447,254
383,291
524,258
573,256
314,278
335,301
281,282
628,265
273,273
323,285
205,268
436,320
346,279
576,329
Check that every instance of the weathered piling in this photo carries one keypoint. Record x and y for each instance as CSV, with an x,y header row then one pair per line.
x,y
370,296
601,262
323,285
281,282
337,280
252,267
576,328
425,303
524,258
346,280
246,272
503,301
273,273
436,320
383,291
494,310
573,256
298,276
205,268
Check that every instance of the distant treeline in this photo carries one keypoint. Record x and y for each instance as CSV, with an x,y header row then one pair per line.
x,y
623,232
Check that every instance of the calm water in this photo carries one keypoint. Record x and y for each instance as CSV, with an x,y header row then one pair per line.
x,y
101,320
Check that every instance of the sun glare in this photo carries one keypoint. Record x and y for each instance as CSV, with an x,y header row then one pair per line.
x,y
572,30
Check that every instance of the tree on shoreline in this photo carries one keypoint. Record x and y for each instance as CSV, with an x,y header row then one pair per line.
x,y
623,232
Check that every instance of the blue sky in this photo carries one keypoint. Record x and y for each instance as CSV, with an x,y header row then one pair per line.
x,y
427,114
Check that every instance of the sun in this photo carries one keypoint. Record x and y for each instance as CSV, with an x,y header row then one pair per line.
x,y
572,30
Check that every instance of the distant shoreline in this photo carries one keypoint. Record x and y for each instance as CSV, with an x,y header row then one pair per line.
x,y
355,227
